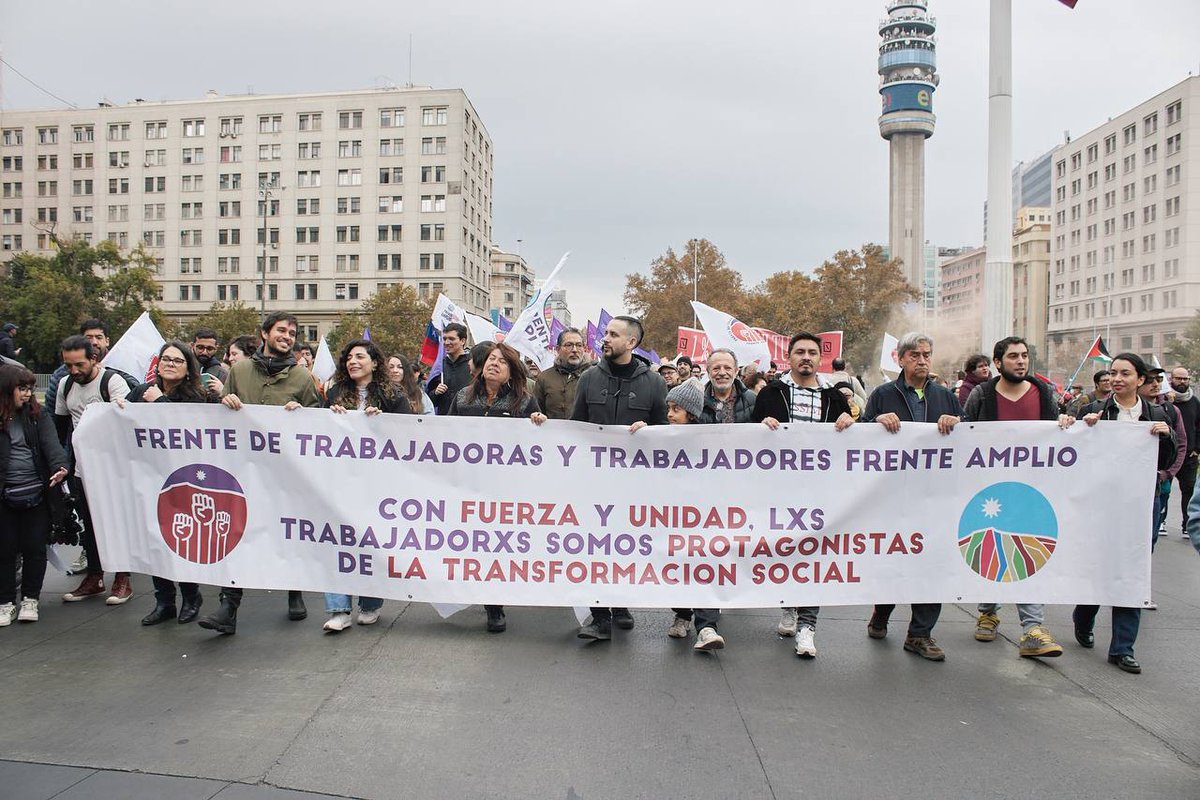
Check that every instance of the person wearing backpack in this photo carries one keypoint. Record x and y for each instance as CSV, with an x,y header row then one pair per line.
x,y
87,382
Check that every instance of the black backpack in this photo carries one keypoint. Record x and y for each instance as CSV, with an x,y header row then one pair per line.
x,y
104,391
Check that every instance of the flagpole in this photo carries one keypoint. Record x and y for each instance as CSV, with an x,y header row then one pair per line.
x,y
998,270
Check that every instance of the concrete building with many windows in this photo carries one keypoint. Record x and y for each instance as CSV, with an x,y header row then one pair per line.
x,y
1125,247
336,194
512,283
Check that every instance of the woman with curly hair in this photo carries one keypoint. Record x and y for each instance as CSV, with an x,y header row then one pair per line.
x,y
361,383
31,461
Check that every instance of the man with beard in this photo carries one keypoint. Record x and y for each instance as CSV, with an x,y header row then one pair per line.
x,y
555,388
667,370
726,398
213,373
269,377
456,368
1015,395
800,396
1188,406
620,390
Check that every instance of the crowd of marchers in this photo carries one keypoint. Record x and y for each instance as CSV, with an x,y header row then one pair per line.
x,y
44,493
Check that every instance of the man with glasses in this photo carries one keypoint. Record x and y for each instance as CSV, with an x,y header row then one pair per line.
x,y
1188,406
912,397
213,373
555,387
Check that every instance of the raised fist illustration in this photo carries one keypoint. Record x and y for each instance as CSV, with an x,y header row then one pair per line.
x,y
203,508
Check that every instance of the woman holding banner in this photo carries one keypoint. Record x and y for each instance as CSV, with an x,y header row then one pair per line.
x,y
1129,372
499,389
361,383
31,462
177,381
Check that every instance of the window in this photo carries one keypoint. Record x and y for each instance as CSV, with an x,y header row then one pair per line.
x,y
1150,154
389,233
347,233
13,137
1129,192
154,211
192,183
435,115
349,205
349,177
1092,180
347,263
391,175
388,261
433,202
12,216
193,155
229,208
272,265
308,263
391,147
1174,144
308,150
393,204
229,236
13,164
433,233
1150,124
229,264
118,185
308,235
1110,172
438,175
309,205
1110,199
272,288
271,235
191,292
227,292
229,180
345,291
1149,214
270,123
190,238
270,152
189,266
308,178
47,162
193,127
230,126
1076,161
154,238
433,146
1149,184
350,120
306,291
350,148
1110,144
155,158
82,160
1147,273
1171,237
1171,268
308,122
231,154
1149,243
47,135
391,118
1130,134
1174,112
118,132
1128,220
1129,164
1060,194
433,260
50,214
1093,152
1060,168
81,187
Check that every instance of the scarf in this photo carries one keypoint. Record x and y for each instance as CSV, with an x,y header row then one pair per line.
x,y
1183,397
272,365
567,369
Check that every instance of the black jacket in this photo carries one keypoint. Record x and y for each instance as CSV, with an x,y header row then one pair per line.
x,y
774,400
48,454
1190,411
604,399
889,398
1108,410
503,406
396,404
981,404
456,375
743,403
8,348
138,394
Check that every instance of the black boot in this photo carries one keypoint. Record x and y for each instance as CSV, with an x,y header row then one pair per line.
x,y
190,608
161,613
296,609
495,619
224,619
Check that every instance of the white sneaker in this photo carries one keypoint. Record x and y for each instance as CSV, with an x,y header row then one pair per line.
x,y
708,639
338,622
79,565
787,623
679,628
8,612
29,610
806,646
367,617
1152,606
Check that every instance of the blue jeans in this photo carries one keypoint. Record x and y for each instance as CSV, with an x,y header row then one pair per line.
x,y
1030,614
340,603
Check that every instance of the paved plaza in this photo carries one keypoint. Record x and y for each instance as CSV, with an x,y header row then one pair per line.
x,y
96,706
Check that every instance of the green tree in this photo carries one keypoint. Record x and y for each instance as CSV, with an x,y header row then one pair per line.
x,y
1186,349
662,299
396,317
228,320
785,303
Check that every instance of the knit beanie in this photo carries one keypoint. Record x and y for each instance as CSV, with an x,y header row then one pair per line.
x,y
688,396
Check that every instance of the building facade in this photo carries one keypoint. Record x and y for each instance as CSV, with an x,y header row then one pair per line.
x,y
512,283
1125,247
1031,278
335,195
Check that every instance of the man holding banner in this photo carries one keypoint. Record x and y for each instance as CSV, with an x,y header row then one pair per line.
x,y
620,390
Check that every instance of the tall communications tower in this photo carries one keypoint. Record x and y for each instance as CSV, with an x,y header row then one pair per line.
x,y
907,80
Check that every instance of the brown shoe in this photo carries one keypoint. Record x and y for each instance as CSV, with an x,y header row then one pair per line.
x,y
91,586
121,590
877,627
925,647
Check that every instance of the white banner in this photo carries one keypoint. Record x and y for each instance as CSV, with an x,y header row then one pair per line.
x,y
136,352
727,331
482,330
887,354
530,333
324,366
468,510
446,311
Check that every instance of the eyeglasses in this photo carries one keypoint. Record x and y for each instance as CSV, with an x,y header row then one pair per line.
x,y
25,389
1154,379
178,362
204,348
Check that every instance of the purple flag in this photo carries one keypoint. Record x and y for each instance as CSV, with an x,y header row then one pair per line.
x,y
556,329
503,323
367,333
593,338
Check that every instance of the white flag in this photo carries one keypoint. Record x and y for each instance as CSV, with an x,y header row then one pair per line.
x,y
483,330
530,333
136,352
887,356
726,331
323,364
445,311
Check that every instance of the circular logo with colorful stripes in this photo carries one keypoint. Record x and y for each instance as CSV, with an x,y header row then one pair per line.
x,y
201,513
1007,532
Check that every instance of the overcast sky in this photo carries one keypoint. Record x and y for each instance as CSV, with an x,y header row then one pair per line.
x,y
623,128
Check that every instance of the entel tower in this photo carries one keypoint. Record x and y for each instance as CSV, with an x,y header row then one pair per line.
x,y
907,80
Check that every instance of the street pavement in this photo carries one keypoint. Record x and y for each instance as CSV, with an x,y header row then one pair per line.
x,y
95,706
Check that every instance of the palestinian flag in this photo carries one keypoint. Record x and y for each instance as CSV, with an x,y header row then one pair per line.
x,y
1068,3
1098,351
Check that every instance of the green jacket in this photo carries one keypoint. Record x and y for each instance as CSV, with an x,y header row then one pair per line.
x,y
255,387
